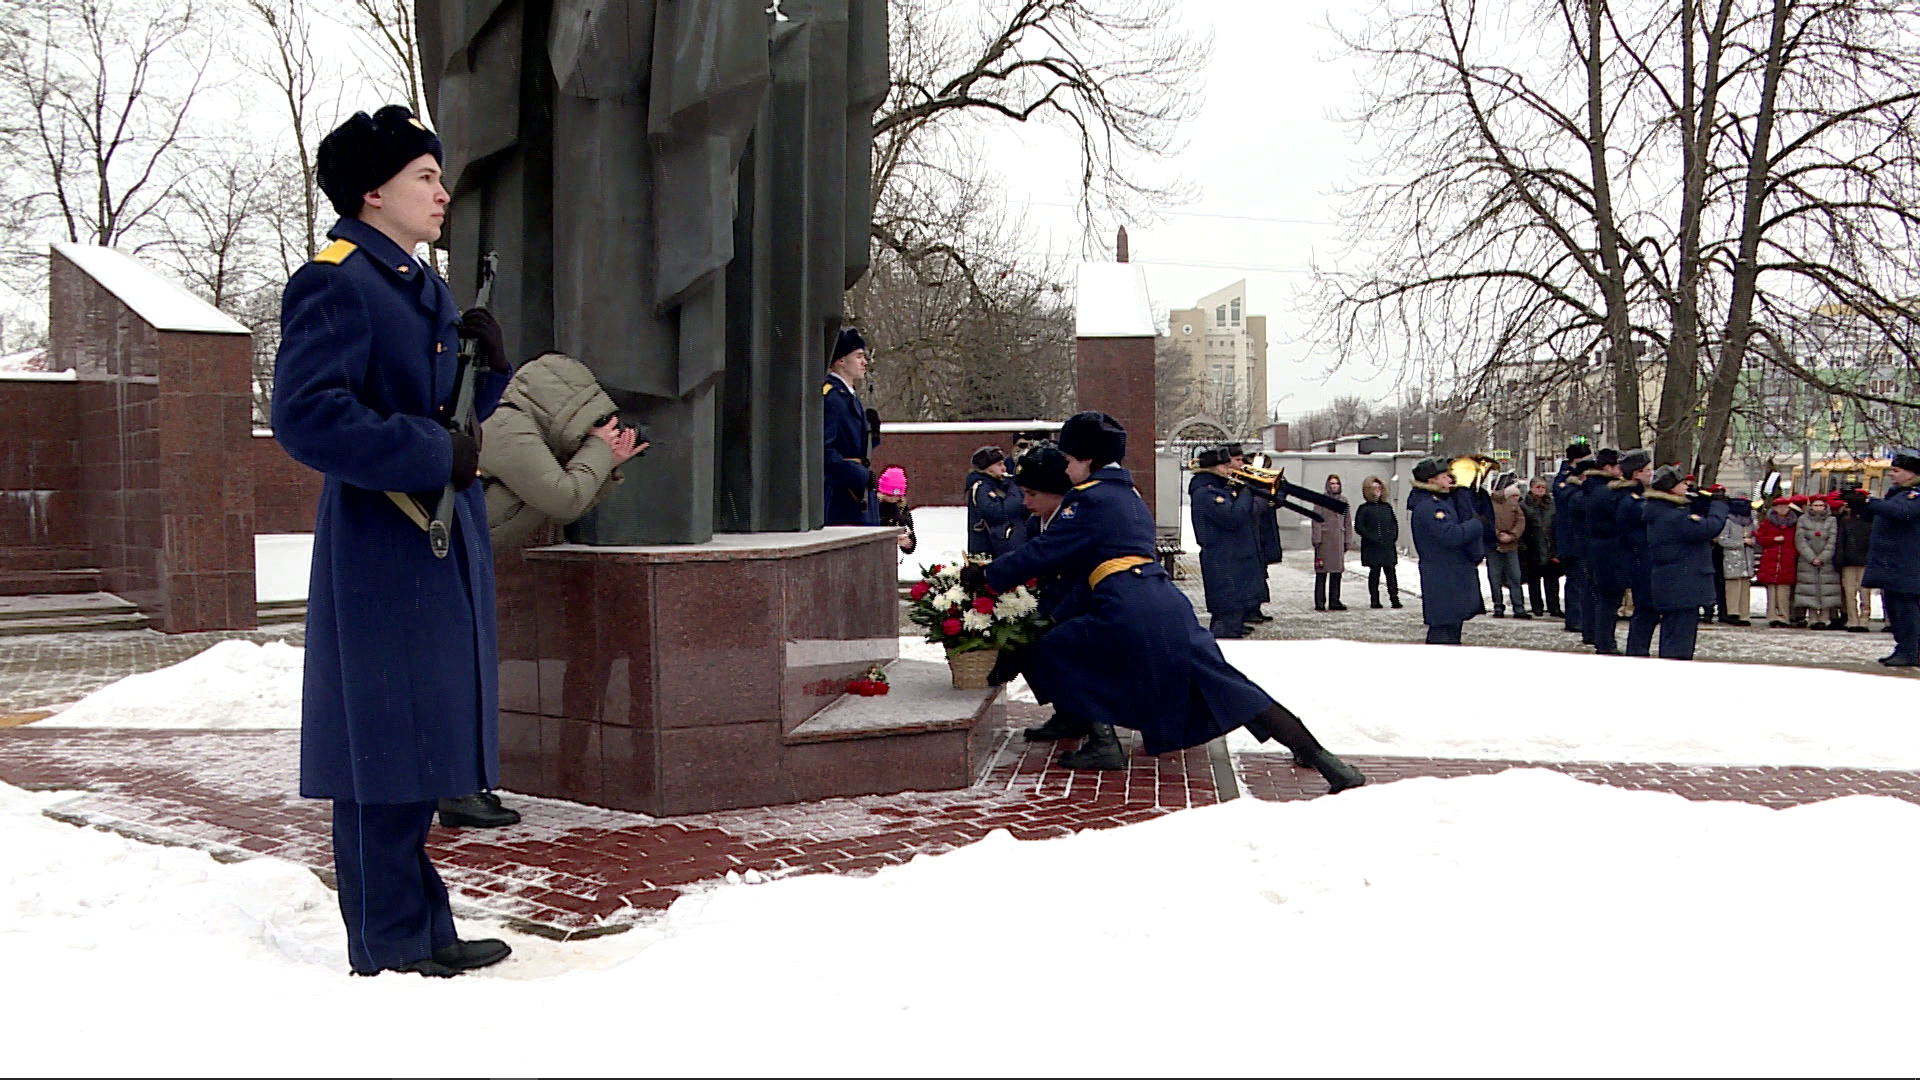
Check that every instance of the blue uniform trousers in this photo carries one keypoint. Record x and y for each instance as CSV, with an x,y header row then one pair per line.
x,y
1903,614
392,899
1228,624
1573,605
1640,630
1603,617
1679,628
1444,634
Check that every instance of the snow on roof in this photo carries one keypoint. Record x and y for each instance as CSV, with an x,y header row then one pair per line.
x,y
164,304
1110,300
68,375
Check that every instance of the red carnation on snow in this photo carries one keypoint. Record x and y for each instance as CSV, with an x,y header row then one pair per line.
x,y
1033,583
919,590
983,604
950,627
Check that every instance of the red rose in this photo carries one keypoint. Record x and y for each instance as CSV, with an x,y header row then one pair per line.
x,y
983,604
880,689
936,568
1033,583
950,627
919,591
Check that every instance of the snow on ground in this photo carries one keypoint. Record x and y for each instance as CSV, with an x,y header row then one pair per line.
x,y
1527,705
941,532
1518,924
233,684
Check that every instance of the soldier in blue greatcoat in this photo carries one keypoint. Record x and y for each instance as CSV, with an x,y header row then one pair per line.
x,y
1893,555
1681,576
1568,536
996,506
1132,653
1626,567
1226,525
400,698
852,433
1594,505
1451,542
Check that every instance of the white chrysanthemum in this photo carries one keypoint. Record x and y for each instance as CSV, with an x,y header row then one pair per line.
x,y
1014,605
949,573
974,620
955,597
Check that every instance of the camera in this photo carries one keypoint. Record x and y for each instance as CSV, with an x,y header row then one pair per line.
x,y
640,436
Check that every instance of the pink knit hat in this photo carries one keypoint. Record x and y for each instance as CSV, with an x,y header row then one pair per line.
x,y
893,481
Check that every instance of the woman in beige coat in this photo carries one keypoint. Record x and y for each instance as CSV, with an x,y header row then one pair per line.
x,y
551,450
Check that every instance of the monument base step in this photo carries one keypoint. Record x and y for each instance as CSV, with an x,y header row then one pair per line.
x,y
920,699
54,613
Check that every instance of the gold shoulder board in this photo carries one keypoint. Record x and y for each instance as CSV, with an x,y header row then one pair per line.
x,y
826,388
336,253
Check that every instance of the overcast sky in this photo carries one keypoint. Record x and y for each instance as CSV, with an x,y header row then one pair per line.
x,y
1264,156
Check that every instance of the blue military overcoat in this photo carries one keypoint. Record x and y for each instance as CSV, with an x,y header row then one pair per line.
x,y
1630,527
851,499
400,700
996,514
1448,537
1599,507
1129,652
1893,551
1226,524
1568,535
1680,551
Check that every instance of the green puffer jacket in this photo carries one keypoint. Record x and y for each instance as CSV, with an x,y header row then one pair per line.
x,y
537,454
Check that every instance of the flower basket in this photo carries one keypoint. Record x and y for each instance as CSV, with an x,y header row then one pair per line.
x,y
973,628
970,668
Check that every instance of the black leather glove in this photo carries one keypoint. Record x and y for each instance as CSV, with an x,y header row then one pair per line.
x,y
466,460
489,344
1700,502
873,421
973,578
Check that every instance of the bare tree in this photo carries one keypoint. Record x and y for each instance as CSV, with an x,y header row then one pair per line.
x,y
103,90
296,75
389,47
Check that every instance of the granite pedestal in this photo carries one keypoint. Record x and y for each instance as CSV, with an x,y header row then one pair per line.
x,y
679,679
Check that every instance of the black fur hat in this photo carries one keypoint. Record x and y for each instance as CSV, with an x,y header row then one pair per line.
x,y
1634,460
1043,468
1428,468
1212,457
1607,456
848,341
1093,436
367,151
1579,450
1908,460
986,456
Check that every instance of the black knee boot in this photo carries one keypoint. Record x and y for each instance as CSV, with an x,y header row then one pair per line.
x,y
1333,593
1058,726
1102,751
1276,722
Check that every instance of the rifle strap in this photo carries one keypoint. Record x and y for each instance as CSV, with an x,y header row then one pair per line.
x,y
411,507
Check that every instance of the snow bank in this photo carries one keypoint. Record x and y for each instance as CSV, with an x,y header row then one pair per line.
x,y
1525,705
1519,924
233,684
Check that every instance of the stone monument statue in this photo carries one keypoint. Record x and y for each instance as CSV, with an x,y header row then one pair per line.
x,y
679,192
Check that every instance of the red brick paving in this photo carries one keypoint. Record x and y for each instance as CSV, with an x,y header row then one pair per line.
x,y
572,869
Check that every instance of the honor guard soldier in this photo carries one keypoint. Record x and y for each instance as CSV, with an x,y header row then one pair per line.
x,y
1226,524
1451,543
1893,554
400,701
1596,505
1628,498
852,432
1680,535
1041,472
1129,650
996,507
1568,536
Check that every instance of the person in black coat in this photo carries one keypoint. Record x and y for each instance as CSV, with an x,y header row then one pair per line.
x,y
1571,537
1630,526
1225,516
1450,541
1680,535
400,704
1267,533
1379,533
852,432
1850,557
1893,555
996,508
1129,651
1539,552
1597,505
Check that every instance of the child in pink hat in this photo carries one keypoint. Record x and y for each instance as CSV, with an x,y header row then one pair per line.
x,y
893,506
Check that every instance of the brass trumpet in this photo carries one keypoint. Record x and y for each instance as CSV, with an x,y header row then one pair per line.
x,y
1253,476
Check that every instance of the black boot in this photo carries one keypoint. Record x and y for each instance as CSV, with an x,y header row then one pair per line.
x,y
1058,726
1333,593
480,811
1259,616
1101,751
1276,722
468,955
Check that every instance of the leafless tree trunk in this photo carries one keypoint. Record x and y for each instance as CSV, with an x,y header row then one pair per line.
x,y
390,48
289,66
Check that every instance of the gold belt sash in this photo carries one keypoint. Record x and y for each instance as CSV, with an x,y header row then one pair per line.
x,y
1114,566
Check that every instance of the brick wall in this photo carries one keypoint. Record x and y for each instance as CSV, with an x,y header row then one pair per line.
x,y
937,462
1116,377
39,463
285,492
164,431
